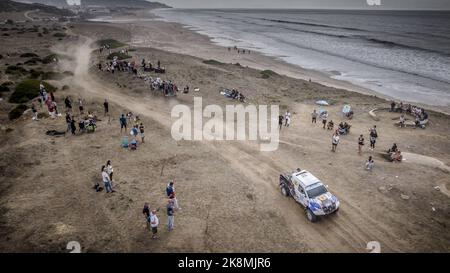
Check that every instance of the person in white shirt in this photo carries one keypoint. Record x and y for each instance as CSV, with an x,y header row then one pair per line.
x,y
287,118
402,121
334,142
109,170
106,180
154,222
370,164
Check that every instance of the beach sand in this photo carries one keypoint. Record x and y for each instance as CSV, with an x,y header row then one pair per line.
x,y
228,190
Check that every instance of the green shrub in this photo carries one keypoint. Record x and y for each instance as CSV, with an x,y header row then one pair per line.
x,y
27,90
4,88
15,70
49,59
267,73
8,83
67,73
17,112
29,55
59,35
111,42
120,56
55,75
212,62
33,61
35,74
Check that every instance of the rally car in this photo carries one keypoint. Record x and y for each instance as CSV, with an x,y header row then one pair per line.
x,y
310,192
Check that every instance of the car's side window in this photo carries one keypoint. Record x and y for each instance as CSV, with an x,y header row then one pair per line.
x,y
300,189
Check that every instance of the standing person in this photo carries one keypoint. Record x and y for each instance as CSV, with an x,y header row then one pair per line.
x,y
314,116
123,123
146,212
370,164
106,180
373,131
392,106
55,106
69,122
324,117
44,96
154,222
372,142
34,111
159,64
170,191
73,128
68,104
287,118
170,216
110,170
280,121
80,107
135,131
360,143
141,130
106,106
334,142
52,96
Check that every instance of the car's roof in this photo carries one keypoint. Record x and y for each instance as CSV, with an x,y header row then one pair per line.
x,y
306,178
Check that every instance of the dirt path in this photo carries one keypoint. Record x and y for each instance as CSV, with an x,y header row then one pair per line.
x,y
348,231
27,14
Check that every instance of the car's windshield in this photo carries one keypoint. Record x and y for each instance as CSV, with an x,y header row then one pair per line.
x,y
313,193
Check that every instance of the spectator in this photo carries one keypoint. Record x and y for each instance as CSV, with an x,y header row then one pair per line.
x,y
334,142
110,170
106,106
123,123
141,130
370,164
106,180
154,222
314,116
170,216
146,212
360,143
34,111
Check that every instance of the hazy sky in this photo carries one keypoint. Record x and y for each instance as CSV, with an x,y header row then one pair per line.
x,y
340,4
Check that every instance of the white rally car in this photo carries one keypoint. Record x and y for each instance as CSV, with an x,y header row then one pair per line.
x,y
310,192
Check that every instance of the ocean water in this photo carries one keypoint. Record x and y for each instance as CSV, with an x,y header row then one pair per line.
x,y
404,55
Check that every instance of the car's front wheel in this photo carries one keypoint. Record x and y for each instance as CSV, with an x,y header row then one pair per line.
x,y
311,216
284,192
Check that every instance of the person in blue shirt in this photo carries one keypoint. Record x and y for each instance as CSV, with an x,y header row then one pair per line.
x,y
170,216
169,189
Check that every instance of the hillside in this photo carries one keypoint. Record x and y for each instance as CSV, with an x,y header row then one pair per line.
x,y
105,3
11,6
